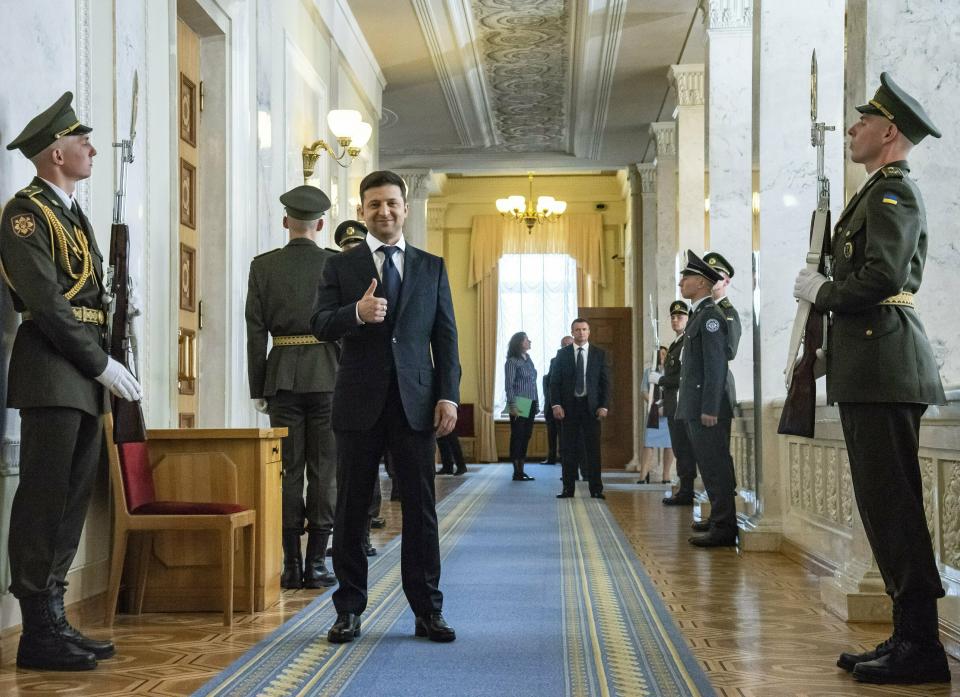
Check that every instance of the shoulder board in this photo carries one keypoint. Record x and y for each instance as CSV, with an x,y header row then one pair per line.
x,y
725,303
272,251
29,191
892,172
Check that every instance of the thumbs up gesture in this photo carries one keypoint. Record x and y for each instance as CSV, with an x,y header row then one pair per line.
x,y
370,308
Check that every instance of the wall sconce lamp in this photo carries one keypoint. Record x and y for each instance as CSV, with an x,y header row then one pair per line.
x,y
352,134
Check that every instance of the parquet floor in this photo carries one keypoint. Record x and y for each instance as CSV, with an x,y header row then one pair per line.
x,y
754,621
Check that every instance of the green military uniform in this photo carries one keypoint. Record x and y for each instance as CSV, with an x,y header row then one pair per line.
x,y
296,378
54,271
679,439
882,373
703,376
734,327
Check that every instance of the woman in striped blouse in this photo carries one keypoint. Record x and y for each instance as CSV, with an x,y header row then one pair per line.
x,y
521,381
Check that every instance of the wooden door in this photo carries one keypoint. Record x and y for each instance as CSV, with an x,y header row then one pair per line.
x,y
188,166
611,330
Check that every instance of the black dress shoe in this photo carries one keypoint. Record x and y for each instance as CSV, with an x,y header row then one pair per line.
x,y
435,628
565,494
597,495
848,661
346,628
713,540
445,470
645,480
677,501
549,461
378,522
700,526
461,469
908,662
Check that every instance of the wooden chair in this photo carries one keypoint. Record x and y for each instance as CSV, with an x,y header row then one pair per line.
x,y
136,510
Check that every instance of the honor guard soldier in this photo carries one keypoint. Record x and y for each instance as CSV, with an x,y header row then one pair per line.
x,y
702,402
294,383
54,269
349,234
669,383
882,373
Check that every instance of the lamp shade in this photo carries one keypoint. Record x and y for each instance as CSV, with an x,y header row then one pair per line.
x,y
545,204
559,207
503,205
361,134
343,122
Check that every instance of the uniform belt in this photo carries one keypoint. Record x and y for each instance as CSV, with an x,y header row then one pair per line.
x,y
299,340
88,315
904,298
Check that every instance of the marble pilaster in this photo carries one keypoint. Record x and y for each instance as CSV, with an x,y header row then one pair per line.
x,y
418,191
664,266
730,155
642,259
691,185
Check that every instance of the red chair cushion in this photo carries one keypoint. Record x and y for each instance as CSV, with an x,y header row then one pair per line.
x,y
137,475
187,508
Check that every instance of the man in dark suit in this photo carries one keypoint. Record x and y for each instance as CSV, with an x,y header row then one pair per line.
x,y
882,373
397,388
553,426
58,370
702,401
294,383
579,392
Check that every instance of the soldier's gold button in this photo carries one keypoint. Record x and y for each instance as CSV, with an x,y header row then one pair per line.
x,y
869,332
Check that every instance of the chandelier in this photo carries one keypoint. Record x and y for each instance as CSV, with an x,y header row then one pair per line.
x,y
547,208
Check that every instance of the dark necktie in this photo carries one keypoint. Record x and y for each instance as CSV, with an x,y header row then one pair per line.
x,y
391,279
579,388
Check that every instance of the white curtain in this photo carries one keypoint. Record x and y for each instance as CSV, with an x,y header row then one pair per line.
x,y
537,295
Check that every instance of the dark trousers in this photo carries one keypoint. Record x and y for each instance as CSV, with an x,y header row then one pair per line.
x,y
683,451
358,454
450,452
882,444
553,435
521,428
310,448
60,451
711,448
580,442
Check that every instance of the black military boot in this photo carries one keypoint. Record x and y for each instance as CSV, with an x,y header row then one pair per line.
x,y
100,649
848,661
315,574
918,656
292,576
42,647
368,547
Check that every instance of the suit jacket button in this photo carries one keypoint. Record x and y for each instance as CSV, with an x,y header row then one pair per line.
x,y
394,339
869,332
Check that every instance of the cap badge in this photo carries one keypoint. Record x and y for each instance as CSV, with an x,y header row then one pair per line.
x,y
848,250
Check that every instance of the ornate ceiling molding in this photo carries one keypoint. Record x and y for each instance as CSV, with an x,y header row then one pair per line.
x,y
728,15
688,79
597,31
524,51
665,135
449,31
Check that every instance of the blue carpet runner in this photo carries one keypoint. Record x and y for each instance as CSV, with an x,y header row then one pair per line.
x,y
546,595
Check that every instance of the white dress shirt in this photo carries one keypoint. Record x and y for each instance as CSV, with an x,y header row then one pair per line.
x,y
66,198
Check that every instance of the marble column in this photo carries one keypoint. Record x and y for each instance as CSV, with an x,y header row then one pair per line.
x,y
418,191
730,149
688,80
665,185
789,32
436,217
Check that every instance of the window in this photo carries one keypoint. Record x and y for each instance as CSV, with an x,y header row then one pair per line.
x,y
537,295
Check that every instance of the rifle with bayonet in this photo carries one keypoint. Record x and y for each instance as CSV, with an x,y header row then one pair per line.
x,y
809,326
128,423
654,394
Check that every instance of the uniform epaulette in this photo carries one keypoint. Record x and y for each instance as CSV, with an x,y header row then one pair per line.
x,y
892,172
29,191
266,253
725,303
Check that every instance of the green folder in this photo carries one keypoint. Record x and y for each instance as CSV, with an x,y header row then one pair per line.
x,y
523,405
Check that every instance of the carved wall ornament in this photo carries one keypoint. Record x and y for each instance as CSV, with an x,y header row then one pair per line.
x,y
665,135
188,194
846,490
722,15
188,111
950,520
928,479
688,80
833,486
647,173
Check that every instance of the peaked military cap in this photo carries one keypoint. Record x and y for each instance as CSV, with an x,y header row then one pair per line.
x,y
696,265
718,262
305,202
678,307
349,231
54,122
903,110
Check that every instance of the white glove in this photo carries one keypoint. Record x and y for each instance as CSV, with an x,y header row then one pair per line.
x,y
820,364
120,381
808,285
654,377
260,405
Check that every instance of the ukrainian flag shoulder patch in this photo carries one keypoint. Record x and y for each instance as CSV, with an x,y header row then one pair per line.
x,y
891,198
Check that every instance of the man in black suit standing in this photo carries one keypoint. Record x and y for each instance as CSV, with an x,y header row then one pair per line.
x,y
579,392
397,389
553,426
